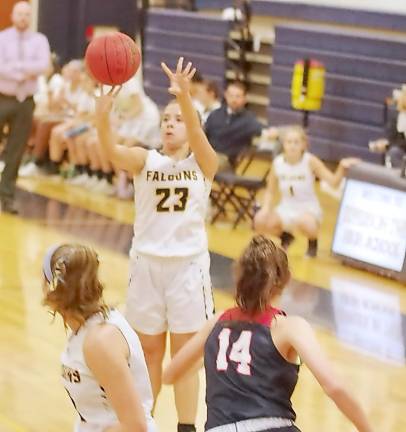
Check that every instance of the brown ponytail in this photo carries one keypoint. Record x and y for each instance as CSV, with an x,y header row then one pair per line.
x,y
261,272
75,289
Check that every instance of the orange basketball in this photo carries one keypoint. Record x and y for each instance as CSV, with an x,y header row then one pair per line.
x,y
112,59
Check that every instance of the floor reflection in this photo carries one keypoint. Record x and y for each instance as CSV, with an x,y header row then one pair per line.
x,y
368,319
76,221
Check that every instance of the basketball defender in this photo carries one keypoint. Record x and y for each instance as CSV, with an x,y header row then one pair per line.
x,y
252,352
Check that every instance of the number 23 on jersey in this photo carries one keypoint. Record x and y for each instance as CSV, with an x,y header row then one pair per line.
x,y
239,353
182,195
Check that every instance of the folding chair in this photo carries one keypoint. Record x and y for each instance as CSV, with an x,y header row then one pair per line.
x,y
238,192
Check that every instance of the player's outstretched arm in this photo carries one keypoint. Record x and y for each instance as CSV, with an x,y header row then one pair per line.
x,y
189,355
262,216
270,191
301,337
106,353
333,179
205,155
128,159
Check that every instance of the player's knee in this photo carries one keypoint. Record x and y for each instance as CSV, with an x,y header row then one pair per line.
x,y
308,226
267,223
154,350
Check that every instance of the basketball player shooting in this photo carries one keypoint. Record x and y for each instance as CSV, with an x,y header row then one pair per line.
x,y
169,287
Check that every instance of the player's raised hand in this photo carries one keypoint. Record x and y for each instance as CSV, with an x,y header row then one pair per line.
x,y
180,79
104,102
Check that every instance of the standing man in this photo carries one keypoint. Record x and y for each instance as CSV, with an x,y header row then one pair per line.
x,y
24,56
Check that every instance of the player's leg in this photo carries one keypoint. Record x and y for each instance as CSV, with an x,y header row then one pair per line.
x,y
186,390
57,141
80,148
154,350
308,224
146,313
277,223
92,154
189,305
268,223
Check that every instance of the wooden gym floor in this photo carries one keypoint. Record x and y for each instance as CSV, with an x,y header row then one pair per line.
x,y
359,317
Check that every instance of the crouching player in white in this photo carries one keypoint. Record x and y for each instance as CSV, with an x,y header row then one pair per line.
x,y
169,288
293,175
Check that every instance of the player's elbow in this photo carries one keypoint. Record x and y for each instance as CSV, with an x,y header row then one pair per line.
x,y
137,425
334,390
142,427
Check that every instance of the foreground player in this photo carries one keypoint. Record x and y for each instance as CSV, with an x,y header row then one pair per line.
x,y
252,352
293,174
169,288
103,366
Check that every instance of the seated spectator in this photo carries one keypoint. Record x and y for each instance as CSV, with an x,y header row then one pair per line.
x,y
80,108
46,116
57,105
394,144
208,96
139,125
138,117
196,89
49,84
231,128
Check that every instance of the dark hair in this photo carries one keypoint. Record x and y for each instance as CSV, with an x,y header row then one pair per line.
x,y
239,84
197,77
261,272
56,62
212,87
174,101
75,289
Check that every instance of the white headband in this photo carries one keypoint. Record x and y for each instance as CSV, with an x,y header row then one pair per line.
x,y
46,264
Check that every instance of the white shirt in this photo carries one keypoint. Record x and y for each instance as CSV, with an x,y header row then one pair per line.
x,y
85,392
52,86
143,127
296,182
170,206
24,56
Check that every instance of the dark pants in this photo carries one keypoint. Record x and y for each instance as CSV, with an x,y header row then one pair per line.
x,y
18,116
394,156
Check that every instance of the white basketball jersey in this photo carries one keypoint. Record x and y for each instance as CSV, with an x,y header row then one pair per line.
x,y
170,206
296,182
94,410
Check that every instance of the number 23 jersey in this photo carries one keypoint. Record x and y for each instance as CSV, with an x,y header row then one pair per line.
x,y
170,204
246,376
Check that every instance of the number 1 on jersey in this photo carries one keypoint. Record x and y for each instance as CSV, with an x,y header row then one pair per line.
x,y
240,351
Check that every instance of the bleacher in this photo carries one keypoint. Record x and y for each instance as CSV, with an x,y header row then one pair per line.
x,y
170,34
363,66
362,70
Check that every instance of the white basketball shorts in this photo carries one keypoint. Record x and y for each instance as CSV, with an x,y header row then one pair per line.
x,y
290,213
169,294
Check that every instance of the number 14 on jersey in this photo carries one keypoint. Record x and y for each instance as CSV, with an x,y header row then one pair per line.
x,y
240,351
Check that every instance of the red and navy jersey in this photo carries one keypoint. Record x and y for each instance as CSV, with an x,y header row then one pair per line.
x,y
246,375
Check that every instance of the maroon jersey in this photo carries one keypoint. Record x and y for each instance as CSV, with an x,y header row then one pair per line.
x,y
246,375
